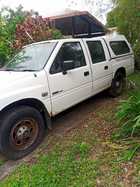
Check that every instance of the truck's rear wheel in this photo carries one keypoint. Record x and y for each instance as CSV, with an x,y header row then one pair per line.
x,y
21,131
118,84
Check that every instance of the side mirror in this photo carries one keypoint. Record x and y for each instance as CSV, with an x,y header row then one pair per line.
x,y
67,65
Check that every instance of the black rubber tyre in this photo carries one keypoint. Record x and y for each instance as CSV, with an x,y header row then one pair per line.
x,y
20,127
118,84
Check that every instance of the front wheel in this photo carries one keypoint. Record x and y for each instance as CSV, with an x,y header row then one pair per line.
x,y
118,84
21,131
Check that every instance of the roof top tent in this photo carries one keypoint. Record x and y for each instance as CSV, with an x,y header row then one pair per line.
x,y
78,24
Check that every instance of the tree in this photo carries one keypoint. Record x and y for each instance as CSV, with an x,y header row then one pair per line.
x,y
34,29
112,18
8,20
20,27
126,17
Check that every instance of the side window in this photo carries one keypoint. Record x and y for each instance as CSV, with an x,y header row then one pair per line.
x,y
70,51
119,47
96,51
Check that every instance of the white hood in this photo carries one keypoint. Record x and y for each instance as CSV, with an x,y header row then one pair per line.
x,y
11,78
15,86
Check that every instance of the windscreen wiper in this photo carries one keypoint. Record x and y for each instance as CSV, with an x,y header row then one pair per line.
x,y
7,69
18,70
30,70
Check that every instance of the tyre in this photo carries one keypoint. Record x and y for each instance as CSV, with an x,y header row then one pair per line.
x,y
118,84
22,129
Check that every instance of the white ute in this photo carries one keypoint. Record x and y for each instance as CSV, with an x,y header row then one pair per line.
x,y
49,77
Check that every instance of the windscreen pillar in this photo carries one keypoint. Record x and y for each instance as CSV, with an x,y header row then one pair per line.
x,y
73,27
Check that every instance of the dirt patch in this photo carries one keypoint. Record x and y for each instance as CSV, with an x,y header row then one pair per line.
x,y
81,113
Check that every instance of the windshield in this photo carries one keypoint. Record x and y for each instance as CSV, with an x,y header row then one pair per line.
x,y
31,58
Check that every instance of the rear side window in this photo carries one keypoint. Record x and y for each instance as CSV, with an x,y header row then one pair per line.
x,y
96,51
119,47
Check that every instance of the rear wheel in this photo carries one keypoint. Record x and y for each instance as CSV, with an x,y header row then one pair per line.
x,y
21,131
118,84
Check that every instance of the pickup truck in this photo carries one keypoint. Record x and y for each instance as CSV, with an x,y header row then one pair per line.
x,y
48,77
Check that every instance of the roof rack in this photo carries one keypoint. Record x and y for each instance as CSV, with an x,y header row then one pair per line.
x,y
78,24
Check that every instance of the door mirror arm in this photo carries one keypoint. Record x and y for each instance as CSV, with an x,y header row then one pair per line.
x,y
64,72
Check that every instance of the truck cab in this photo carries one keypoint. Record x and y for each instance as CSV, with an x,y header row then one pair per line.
x,y
49,77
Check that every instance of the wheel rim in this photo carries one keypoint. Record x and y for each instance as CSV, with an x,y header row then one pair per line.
x,y
24,134
118,83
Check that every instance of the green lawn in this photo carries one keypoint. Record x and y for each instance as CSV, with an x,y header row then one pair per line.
x,y
85,157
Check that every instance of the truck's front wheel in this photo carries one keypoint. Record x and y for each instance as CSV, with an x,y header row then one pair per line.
x,y
21,131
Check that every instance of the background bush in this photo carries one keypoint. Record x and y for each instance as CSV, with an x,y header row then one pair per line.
x,y
129,116
8,21
19,28
34,29
126,17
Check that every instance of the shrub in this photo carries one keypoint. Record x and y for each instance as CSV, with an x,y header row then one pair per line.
x,y
19,28
136,49
34,29
126,17
129,115
8,20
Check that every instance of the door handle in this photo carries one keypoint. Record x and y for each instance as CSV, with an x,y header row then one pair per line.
x,y
57,92
86,73
106,68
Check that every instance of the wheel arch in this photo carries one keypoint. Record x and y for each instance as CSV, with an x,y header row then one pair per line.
x,y
121,69
35,103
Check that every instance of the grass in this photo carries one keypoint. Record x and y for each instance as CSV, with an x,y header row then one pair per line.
x,y
85,157
56,169
135,77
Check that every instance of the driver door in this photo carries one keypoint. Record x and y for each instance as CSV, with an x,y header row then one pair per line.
x,y
73,86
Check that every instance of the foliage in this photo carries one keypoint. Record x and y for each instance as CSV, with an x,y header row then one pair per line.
x,y
136,48
129,153
129,114
34,29
126,17
129,117
8,20
112,18
20,27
